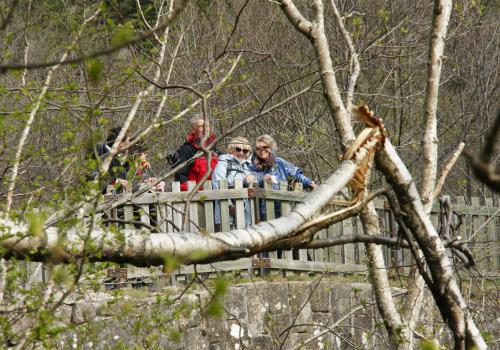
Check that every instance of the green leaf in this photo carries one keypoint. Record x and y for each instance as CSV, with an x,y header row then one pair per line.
x,y
122,36
94,67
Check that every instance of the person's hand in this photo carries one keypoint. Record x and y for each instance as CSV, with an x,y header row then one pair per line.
x,y
250,179
267,178
159,187
313,185
150,180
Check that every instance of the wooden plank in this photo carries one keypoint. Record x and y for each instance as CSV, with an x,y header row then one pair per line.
x,y
279,264
285,209
193,210
208,207
240,207
489,235
162,218
128,215
361,246
144,212
321,254
183,196
479,248
348,248
177,208
270,214
224,207
337,252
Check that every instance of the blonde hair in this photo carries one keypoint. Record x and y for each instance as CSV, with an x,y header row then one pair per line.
x,y
238,141
268,140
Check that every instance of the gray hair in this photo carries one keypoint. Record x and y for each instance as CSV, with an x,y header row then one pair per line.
x,y
268,140
238,141
195,119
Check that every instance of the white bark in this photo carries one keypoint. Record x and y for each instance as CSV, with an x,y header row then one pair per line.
x,y
440,20
315,32
150,249
445,289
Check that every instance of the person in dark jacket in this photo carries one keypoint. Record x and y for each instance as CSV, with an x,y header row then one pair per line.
x,y
119,167
195,170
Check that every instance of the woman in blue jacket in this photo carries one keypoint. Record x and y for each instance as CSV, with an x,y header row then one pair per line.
x,y
231,167
267,167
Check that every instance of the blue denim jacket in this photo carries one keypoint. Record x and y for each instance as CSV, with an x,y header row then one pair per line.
x,y
282,171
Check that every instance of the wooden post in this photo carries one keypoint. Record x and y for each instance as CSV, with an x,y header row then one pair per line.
x,y
270,214
224,208
178,208
193,211
208,207
285,209
240,207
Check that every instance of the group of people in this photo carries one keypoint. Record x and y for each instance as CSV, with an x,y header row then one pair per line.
x,y
239,163
131,169
253,168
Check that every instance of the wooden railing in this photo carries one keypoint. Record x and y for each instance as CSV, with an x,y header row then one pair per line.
x,y
165,212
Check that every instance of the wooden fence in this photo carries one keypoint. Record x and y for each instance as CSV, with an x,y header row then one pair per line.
x,y
165,212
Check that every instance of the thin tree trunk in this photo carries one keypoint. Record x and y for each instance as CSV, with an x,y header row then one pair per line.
x,y
315,32
440,20
445,289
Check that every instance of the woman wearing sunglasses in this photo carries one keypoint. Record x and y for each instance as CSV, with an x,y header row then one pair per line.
x,y
231,167
270,168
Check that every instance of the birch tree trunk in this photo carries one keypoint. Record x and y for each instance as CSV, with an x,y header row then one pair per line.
x,y
444,288
440,20
315,32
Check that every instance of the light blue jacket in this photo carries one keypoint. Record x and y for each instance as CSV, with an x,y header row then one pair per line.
x,y
229,168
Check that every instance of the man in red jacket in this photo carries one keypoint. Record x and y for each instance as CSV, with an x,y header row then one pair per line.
x,y
195,170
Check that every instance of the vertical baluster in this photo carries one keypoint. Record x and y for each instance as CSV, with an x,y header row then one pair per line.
x,y
145,214
224,207
193,211
240,207
177,207
129,215
208,207
478,247
285,209
270,214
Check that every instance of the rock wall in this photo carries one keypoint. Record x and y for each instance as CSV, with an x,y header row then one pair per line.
x,y
262,315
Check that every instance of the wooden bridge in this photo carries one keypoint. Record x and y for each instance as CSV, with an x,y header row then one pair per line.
x,y
477,222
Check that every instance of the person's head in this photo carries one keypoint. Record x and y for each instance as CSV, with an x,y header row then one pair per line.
x,y
113,135
239,147
264,146
139,152
198,127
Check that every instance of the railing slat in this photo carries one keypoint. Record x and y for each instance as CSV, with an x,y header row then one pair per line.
x,y
270,214
128,215
208,207
145,214
224,208
240,207
193,210
285,209
178,208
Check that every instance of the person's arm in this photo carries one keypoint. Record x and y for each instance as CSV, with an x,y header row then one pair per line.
x,y
297,173
219,173
183,153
